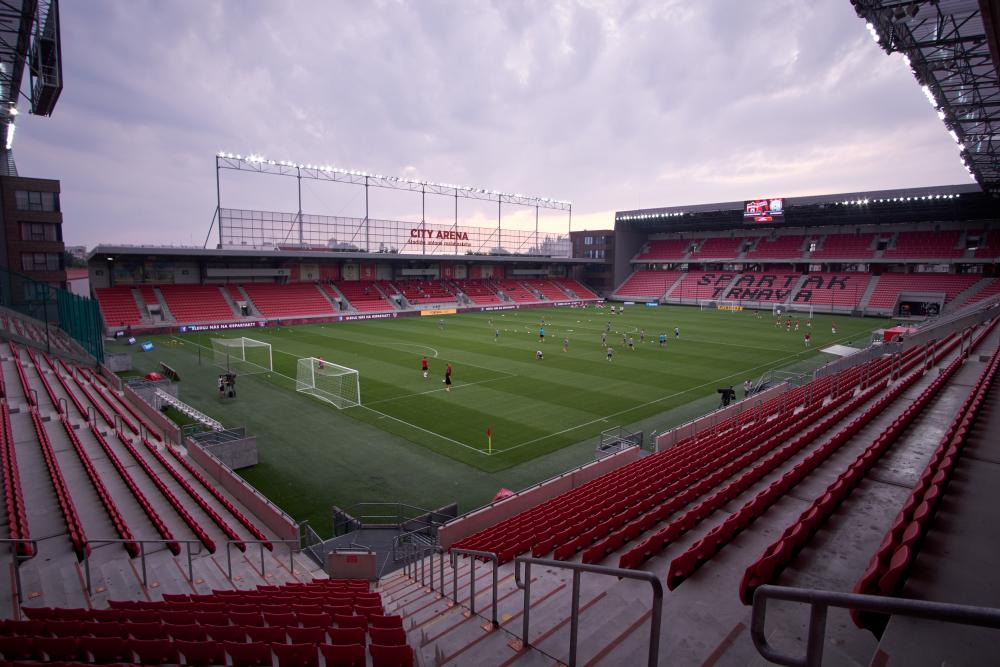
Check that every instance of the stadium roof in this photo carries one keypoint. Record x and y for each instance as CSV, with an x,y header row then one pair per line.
x,y
942,202
29,37
952,47
197,252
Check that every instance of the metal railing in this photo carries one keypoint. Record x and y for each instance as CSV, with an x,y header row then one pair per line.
x,y
261,543
819,602
416,557
19,558
406,539
578,569
142,555
489,555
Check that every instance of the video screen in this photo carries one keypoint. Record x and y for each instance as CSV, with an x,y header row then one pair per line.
x,y
763,210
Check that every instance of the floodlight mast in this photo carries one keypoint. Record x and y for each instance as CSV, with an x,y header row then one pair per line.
x,y
261,165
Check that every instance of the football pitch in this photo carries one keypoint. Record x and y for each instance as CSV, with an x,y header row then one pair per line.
x,y
533,408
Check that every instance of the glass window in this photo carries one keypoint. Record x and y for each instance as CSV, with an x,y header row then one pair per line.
x,y
588,240
36,201
39,231
40,261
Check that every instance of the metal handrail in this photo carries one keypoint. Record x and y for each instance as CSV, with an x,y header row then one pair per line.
x,y
231,543
142,554
398,540
578,568
19,558
819,601
416,554
489,555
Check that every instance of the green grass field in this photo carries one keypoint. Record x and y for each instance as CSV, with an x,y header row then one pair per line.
x,y
411,441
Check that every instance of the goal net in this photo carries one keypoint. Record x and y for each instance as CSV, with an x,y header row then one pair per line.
x,y
723,305
241,355
791,309
337,385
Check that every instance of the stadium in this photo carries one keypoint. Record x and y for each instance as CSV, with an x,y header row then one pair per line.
x,y
734,433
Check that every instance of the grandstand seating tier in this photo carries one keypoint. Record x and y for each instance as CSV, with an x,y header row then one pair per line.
x,y
196,303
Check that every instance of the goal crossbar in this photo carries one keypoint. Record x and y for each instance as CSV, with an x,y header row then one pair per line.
x,y
333,383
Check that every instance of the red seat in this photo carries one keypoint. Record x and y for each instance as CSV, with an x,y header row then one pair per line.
x,y
225,633
253,618
154,651
189,632
19,648
268,635
107,649
320,620
102,629
391,656
296,655
211,617
379,621
388,636
306,635
63,628
345,621
248,655
343,655
201,652
280,619
60,648
344,636
144,630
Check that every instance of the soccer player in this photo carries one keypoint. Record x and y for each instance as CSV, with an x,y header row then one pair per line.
x,y
538,355
423,366
807,338
541,334
608,327
642,335
747,386
788,325
604,339
496,334
663,339
447,377
631,343
677,332
611,353
322,363
833,328
565,344
796,325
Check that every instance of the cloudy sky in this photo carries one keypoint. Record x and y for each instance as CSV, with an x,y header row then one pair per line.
x,y
610,104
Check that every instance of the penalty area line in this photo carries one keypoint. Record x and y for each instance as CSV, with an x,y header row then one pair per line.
x,y
420,428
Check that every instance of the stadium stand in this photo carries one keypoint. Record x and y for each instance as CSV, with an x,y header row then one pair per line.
x,y
991,290
891,285
517,292
647,284
548,289
118,306
423,291
990,246
845,246
718,248
576,288
364,296
926,245
664,249
763,286
481,292
291,300
196,303
782,247
701,285
835,290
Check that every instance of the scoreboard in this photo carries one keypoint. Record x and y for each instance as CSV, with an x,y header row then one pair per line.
x,y
763,210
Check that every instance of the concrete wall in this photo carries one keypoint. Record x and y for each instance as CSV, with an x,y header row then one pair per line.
x,y
266,512
486,516
236,453
352,565
171,431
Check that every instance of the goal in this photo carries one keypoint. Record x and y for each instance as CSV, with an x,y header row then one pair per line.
x,y
721,304
242,355
337,385
789,308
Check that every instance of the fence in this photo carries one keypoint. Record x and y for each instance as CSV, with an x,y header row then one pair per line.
x,y
78,316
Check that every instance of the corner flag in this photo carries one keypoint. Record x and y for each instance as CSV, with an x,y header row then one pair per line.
x,y
489,438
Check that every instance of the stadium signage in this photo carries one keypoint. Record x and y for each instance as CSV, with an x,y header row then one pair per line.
x,y
223,325
488,308
764,210
652,304
439,234
438,311
368,316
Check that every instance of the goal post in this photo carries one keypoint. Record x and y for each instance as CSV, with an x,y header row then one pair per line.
x,y
242,355
790,308
335,384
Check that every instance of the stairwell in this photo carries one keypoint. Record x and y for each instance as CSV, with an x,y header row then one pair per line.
x,y
141,303
232,304
670,289
251,306
966,294
867,294
795,290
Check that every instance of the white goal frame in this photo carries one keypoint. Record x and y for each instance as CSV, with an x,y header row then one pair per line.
x,y
230,354
338,385
789,308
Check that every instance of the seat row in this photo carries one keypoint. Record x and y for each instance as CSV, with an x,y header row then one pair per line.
x,y
77,536
112,650
662,538
780,553
889,565
17,516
